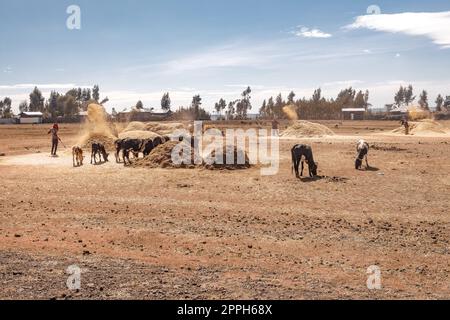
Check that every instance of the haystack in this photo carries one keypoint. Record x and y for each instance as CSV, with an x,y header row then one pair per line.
x,y
138,134
238,155
300,129
423,127
161,157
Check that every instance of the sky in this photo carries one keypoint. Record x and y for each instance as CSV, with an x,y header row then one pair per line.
x,y
139,49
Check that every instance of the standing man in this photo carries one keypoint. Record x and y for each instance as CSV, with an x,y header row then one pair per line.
x,y
275,131
405,123
55,138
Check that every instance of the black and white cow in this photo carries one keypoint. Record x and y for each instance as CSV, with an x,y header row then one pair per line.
x,y
302,153
362,149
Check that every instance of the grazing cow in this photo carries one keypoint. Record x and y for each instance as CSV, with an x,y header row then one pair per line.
x,y
118,144
99,149
148,147
302,153
77,156
131,145
157,141
362,149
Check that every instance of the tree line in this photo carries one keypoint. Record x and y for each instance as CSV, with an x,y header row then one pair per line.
x,y
59,105
405,97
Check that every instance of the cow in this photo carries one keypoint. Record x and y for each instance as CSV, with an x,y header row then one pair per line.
x,y
302,153
148,147
98,149
118,146
77,156
362,149
130,145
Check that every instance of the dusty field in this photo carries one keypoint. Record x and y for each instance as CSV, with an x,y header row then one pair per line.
x,y
199,234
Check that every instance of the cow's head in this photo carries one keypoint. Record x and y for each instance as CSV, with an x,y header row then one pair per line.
x,y
358,163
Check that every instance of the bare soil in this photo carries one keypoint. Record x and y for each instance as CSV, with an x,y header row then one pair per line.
x,y
140,233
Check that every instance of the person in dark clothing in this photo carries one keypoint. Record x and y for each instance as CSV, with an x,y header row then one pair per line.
x,y
55,138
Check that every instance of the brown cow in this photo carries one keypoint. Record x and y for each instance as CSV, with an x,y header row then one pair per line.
x,y
77,156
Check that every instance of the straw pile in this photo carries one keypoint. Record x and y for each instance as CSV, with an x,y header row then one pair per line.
x,y
301,129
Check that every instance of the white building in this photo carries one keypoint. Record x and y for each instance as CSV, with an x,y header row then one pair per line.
x,y
30,117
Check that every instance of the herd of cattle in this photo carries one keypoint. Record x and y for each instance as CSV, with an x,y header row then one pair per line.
x,y
301,153
124,146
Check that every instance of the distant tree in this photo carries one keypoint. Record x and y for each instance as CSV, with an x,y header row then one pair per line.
x,y
359,100
139,105
244,105
366,100
36,100
263,109
23,106
86,95
196,103
5,108
231,112
79,95
270,108
439,103
399,97
166,102
423,100
409,96
52,105
220,106
96,93
291,97
317,96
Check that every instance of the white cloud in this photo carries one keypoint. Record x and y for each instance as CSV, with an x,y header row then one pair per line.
x,y
311,33
26,86
434,25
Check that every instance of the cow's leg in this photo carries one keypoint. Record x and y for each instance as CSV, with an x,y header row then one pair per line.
x,y
367,163
73,159
92,155
303,165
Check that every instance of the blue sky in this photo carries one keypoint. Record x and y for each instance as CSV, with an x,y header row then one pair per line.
x,y
138,49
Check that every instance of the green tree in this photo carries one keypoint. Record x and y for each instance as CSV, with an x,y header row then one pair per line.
x,y
291,97
52,106
220,106
166,102
423,100
36,100
139,105
409,96
439,103
399,97
244,105
5,108
23,106
263,109
96,93
196,103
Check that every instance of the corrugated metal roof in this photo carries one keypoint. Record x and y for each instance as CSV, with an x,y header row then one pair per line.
x,y
32,114
353,110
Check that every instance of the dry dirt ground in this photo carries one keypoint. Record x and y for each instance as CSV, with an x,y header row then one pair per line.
x,y
199,234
